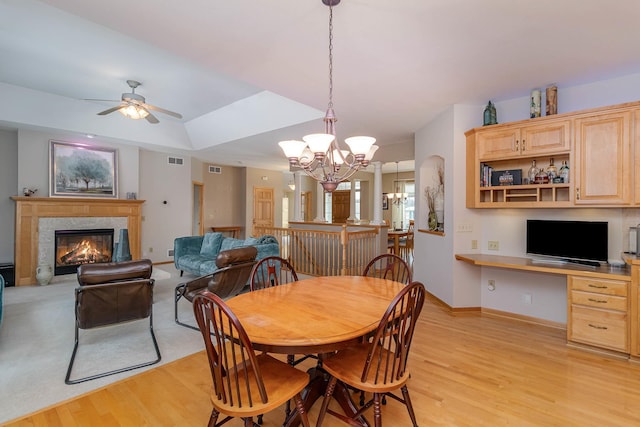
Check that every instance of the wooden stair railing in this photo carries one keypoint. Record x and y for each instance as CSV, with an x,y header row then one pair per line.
x,y
325,253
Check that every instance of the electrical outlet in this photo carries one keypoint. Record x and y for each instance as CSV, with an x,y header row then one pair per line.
x,y
150,250
526,298
169,252
491,285
493,245
474,244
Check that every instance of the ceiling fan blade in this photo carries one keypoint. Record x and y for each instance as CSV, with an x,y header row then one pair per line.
x,y
111,110
162,110
152,119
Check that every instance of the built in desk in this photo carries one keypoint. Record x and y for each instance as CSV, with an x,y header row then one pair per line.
x,y
602,302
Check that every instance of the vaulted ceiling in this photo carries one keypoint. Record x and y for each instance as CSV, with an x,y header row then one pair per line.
x,y
246,74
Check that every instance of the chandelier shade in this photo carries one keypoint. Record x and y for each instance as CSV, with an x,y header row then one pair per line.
x,y
319,155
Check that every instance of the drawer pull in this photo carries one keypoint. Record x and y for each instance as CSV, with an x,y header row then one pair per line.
x,y
597,287
597,327
599,301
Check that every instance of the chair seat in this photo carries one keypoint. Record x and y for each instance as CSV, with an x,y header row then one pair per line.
x,y
280,380
347,366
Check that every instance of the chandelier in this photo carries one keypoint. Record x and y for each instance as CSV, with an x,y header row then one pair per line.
x,y
319,154
397,198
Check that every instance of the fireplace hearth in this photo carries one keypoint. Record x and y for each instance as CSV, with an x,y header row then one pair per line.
x,y
76,247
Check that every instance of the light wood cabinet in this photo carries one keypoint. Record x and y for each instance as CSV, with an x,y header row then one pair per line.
x,y
513,147
604,161
601,146
515,140
598,312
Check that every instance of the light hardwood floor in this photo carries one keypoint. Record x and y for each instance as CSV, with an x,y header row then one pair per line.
x,y
467,370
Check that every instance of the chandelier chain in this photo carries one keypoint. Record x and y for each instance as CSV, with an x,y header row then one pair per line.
x,y
330,55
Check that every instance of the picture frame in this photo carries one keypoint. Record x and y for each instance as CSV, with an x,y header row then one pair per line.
x,y
82,170
385,202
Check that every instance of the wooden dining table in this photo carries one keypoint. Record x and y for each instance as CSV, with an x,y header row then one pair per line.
x,y
315,316
397,235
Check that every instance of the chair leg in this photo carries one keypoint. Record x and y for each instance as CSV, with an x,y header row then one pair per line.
x,y
304,418
377,412
325,402
179,293
213,418
115,371
407,402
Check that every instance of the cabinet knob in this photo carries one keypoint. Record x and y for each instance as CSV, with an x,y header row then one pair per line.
x,y
591,285
577,193
524,145
597,327
599,301
517,146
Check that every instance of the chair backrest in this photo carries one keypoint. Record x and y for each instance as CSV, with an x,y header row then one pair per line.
x,y
237,381
113,292
389,347
389,266
234,272
272,271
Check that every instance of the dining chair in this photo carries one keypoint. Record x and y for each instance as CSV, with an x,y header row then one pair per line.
x,y
275,271
378,365
272,271
389,266
232,276
406,244
245,383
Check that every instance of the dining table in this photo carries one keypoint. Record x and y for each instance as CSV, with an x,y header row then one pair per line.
x,y
319,315
397,235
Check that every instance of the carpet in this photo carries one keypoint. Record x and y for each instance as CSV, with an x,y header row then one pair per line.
x,y
37,334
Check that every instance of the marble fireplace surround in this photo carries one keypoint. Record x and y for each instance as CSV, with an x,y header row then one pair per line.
x,y
38,218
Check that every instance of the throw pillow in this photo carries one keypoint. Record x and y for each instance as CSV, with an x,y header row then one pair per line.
x,y
211,244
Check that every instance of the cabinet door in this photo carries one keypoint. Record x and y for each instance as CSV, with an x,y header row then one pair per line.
x,y
547,138
603,148
636,150
499,144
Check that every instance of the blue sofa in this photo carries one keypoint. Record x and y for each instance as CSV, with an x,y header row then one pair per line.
x,y
197,254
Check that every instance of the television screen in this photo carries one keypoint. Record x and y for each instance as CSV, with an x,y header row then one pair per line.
x,y
568,240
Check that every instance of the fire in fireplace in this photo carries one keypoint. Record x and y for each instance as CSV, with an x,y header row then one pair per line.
x,y
76,247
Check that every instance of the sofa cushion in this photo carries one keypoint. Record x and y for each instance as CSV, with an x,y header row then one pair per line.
x,y
231,243
194,262
211,244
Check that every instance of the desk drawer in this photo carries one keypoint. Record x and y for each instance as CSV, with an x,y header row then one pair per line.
x,y
602,328
591,299
601,286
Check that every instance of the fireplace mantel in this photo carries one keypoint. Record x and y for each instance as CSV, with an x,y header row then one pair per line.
x,y
29,210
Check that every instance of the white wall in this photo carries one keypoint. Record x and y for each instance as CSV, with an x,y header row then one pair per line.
x,y
8,188
462,285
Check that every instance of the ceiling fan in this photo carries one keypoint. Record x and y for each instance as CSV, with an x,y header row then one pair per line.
x,y
134,106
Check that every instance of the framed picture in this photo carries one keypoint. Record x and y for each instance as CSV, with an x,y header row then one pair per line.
x,y
385,202
79,170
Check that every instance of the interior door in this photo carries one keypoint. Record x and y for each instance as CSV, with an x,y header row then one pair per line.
x,y
263,207
340,203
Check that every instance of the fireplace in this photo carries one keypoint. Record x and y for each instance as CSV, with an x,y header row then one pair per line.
x,y
76,247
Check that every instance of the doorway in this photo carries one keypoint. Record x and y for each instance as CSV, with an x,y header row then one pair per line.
x,y
197,227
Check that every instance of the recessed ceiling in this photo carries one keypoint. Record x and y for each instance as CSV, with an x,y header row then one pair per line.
x,y
246,74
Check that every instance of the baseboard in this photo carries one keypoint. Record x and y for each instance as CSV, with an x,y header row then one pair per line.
x,y
163,262
600,351
491,312
522,318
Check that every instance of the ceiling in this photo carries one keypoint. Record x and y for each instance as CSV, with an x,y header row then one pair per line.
x,y
246,74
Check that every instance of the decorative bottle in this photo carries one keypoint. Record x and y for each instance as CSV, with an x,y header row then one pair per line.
x,y
564,172
552,171
533,172
487,115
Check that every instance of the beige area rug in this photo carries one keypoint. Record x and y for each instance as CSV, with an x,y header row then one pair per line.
x,y
36,341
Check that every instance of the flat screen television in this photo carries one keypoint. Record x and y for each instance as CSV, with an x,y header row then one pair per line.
x,y
584,242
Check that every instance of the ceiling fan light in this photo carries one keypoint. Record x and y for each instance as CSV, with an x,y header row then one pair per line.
x,y
134,112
